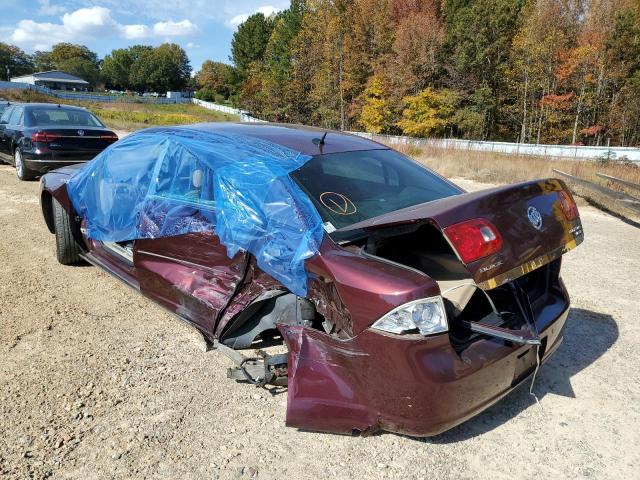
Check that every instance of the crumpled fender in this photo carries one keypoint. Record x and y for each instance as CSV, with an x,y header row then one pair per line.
x,y
325,379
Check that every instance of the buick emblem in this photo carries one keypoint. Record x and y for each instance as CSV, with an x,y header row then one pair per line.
x,y
534,217
81,132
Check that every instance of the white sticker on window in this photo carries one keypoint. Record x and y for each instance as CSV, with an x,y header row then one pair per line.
x,y
329,228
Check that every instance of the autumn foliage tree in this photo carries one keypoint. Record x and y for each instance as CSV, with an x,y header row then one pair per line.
x,y
428,113
376,114
559,71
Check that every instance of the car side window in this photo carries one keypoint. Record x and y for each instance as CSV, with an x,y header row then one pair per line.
x,y
16,116
4,119
185,179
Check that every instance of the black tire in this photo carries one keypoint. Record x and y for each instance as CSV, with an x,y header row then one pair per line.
x,y
22,172
67,249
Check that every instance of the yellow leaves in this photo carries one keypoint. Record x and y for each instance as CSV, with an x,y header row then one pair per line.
x,y
428,113
376,113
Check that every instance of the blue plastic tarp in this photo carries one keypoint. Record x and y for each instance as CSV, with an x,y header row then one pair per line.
x,y
170,181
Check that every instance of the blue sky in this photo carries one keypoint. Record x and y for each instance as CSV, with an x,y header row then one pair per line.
x,y
203,28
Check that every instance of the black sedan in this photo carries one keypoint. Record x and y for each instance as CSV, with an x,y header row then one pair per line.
x,y
38,137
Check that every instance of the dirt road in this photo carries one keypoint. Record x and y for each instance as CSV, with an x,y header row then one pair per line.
x,y
97,382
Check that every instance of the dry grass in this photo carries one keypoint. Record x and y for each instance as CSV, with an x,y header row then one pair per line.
x,y
131,116
500,168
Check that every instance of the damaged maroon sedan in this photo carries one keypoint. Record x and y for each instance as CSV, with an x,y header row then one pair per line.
x,y
405,303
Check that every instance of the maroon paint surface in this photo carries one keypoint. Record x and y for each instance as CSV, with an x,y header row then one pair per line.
x,y
412,385
189,274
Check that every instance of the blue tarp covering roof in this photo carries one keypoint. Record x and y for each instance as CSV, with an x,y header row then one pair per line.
x,y
170,181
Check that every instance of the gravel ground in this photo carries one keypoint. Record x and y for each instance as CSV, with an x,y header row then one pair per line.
x,y
98,382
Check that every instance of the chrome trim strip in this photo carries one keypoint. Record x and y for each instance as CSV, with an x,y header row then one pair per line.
x,y
100,264
77,160
530,265
119,250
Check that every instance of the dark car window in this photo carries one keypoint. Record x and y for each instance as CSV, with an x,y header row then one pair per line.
x,y
354,186
61,117
4,119
183,178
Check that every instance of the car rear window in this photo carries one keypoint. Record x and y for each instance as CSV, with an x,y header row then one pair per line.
x,y
63,117
350,187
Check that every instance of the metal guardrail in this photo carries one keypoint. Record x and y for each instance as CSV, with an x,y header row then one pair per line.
x,y
627,200
626,183
576,152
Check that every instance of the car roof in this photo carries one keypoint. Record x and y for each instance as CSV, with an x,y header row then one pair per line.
x,y
55,105
296,137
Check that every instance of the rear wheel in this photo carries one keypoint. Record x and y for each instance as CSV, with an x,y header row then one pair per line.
x,y
22,172
67,249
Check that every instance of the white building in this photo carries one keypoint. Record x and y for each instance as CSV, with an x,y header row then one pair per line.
x,y
54,79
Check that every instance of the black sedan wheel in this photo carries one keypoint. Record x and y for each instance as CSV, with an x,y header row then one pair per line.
x,y
22,172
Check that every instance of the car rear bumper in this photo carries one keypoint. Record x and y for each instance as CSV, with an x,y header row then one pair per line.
x,y
416,386
46,162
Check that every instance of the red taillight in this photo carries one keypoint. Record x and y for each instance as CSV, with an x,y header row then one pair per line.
x,y
568,205
474,239
44,137
111,137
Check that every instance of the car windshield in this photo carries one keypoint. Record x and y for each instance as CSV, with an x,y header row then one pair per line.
x,y
60,117
350,187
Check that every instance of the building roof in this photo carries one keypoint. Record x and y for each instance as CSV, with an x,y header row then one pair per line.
x,y
296,137
58,76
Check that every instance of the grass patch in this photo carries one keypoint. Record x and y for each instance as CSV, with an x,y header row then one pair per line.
x,y
499,168
131,116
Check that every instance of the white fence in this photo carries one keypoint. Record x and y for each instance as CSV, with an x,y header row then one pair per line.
x,y
244,115
576,152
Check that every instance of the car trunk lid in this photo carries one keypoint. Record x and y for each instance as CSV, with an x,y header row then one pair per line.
x,y
75,139
529,217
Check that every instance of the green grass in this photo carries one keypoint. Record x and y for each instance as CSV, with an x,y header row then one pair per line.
x,y
131,116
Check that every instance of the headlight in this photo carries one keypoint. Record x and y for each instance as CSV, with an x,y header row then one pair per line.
x,y
426,315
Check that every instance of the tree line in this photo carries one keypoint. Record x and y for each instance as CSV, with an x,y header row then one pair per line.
x,y
535,71
539,71
138,68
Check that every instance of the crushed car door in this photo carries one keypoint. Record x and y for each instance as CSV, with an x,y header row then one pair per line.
x,y
190,273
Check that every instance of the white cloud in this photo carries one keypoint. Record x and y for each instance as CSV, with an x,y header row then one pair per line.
x,y
238,19
266,10
33,33
133,32
47,9
93,22
185,27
